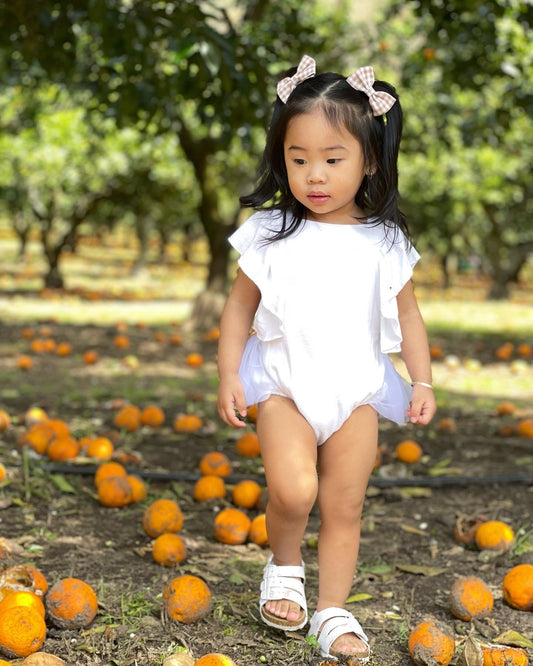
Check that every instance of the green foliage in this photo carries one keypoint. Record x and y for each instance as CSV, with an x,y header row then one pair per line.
x,y
467,93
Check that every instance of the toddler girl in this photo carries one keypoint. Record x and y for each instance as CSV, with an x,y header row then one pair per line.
x,y
325,276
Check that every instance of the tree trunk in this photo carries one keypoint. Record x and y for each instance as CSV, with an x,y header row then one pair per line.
x,y
141,230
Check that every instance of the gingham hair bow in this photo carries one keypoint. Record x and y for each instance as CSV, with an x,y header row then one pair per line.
x,y
363,79
306,70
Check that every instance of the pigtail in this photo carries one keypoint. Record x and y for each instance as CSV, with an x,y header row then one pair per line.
x,y
382,185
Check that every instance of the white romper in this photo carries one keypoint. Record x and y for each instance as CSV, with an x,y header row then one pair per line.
x,y
327,318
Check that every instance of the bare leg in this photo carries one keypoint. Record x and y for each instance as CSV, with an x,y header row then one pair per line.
x,y
345,463
289,452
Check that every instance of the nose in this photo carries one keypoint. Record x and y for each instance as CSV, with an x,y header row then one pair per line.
x,y
315,174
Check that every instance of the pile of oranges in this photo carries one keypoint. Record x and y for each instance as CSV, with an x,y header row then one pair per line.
x,y
25,602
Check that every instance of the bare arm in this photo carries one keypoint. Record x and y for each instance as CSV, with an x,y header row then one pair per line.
x,y
415,353
235,324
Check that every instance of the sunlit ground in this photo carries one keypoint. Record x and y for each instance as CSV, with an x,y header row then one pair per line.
x,y
101,289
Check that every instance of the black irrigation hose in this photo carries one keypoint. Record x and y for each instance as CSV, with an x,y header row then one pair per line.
x,y
378,482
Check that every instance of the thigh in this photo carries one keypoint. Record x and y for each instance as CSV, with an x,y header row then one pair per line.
x,y
346,459
287,441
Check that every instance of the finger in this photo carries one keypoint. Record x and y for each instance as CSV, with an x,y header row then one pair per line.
x,y
240,403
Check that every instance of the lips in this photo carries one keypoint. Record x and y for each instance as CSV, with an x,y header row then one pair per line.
x,y
318,197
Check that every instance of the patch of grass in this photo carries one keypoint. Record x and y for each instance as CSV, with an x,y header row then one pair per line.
x,y
478,319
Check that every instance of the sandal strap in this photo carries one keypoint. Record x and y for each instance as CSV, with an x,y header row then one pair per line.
x,y
328,624
283,582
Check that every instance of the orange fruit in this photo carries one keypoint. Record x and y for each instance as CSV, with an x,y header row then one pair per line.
x,y
38,437
138,488
35,415
60,428
3,472
39,580
63,448
518,587
215,659
215,463
436,351
187,423
232,526
128,418
194,360
248,445
163,515
168,549
115,491
64,349
27,332
23,598
176,339
22,577
90,357
152,416
71,603
525,428
430,642
187,599
524,349
408,451
503,655
209,487
504,352
494,535
22,631
108,469
121,341
506,407
101,448
251,413
212,335
470,598
258,532
24,362
246,493
5,420
447,424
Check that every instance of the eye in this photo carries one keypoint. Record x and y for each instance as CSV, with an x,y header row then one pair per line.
x,y
299,161
334,160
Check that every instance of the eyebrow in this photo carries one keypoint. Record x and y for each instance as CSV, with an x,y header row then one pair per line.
x,y
324,149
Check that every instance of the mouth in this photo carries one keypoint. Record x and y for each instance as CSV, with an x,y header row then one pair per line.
x,y
318,197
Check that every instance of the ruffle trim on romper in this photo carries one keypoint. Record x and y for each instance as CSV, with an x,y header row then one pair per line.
x,y
249,241
397,263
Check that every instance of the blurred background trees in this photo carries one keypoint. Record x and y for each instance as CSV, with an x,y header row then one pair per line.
x,y
155,112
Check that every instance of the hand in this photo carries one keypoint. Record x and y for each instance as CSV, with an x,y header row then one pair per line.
x,y
423,406
231,402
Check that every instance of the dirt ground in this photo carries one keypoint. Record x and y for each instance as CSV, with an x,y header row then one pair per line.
x,y
408,558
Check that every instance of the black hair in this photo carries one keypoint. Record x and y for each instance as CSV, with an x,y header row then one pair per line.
x,y
343,106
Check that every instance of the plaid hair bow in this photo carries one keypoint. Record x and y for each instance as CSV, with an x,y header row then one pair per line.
x,y
306,70
363,79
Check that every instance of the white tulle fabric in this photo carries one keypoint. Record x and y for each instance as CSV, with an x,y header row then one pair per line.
x,y
327,319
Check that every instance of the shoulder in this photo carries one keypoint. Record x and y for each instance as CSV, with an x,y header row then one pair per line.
x,y
259,227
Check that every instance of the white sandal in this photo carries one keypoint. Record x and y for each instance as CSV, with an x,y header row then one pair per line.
x,y
328,624
283,582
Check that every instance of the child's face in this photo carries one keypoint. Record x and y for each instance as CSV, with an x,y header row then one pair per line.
x,y
325,166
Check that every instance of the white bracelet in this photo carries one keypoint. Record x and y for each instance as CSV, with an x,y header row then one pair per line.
x,y
429,386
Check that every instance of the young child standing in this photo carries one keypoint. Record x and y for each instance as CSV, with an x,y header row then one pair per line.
x,y
325,277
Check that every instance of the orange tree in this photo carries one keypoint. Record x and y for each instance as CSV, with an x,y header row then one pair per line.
x,y
203,71
464,69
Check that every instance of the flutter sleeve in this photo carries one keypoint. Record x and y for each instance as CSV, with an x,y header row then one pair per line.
x,y
397,262
250,240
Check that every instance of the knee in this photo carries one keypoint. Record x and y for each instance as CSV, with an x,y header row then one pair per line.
x,y
348,512
295,498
